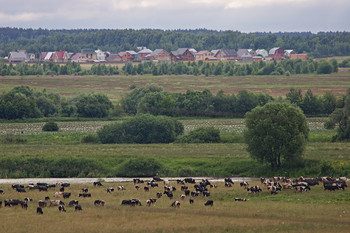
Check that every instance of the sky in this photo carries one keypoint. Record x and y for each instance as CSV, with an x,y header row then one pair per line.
x,y
240,15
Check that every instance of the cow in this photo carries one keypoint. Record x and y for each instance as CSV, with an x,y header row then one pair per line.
x,y
15,186
2,191
66,195
228,180
27,199
73,203
228,185
58,194
191,201
47,198
61,208
138,181
97,183
56,202
12,202
209,202
62,189
194,194
176,204
157,179
169,194
84,194
24,205
206,194
42,203
78,208
187,192
146,189
39,211
254,189
149,202
110,190
182,196
244,184
65,185
99,202
121,188
135,202
183,188
159,195
85,190
41,184
42,188
137,187
21,190
180,181
240,199
190,180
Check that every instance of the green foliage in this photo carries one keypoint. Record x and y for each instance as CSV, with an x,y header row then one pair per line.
x,y
50,126
11,138
140,167
275,133
93,105
201,135
90,138
324,67
142,129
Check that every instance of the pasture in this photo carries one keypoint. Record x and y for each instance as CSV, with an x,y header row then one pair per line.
x,y
115,86
313,211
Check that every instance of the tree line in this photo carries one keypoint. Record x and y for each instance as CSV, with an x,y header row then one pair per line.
x,y
24,102
38,40
285,67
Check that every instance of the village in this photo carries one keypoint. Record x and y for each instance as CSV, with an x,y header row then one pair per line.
x,y
159,55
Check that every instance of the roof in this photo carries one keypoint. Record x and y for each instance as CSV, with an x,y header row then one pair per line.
x,y
179,51
145,51
122,54
242,52
48,56
19,55
60,54
262,52
132,52
229,53
202,52
156,52
273,50
77,55
113,57
215,51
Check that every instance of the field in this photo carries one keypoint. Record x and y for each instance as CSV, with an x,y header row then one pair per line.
x,y
115,86
313,211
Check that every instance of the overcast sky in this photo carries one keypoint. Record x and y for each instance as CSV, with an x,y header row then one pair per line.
x,y
241,15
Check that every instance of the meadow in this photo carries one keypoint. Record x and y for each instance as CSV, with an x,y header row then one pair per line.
x,y
313,211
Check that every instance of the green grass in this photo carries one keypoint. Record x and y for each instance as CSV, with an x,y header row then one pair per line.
x,y
313,211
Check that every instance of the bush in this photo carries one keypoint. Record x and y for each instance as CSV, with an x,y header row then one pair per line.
x,y
201,135
140,167
90,138
11,138
50,126
142,129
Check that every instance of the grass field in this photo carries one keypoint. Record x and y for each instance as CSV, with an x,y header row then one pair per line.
x,y
114,87
314,211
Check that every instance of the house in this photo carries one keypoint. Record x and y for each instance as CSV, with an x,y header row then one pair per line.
x,y
126,56
133,53
48,56
114,58
143,53
203,55
262,52
244,55
79,58
257,58
301,56
89,54
158,55
182,54
288,52
18,56
100,55
276,53
61,57
225,54
31,57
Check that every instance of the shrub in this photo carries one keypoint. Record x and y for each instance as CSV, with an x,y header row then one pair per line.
x,y
50,126
11,138
142,129
140,167
201,135
90,138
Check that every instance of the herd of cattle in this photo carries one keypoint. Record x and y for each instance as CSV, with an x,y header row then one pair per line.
x,y
189,187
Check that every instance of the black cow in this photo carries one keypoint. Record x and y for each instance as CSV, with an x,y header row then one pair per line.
x,y
78,208
206,194
15,186
42,188
169,194
84,194
39,210
47,198
99,202
146,189
240,199
97,183
66,195
62,189
24,205
110,190
85,190
2,191
228,180
73,203
42,203
176,204
61,208
159,195
191,201
190,180
20,190
209,202
157,179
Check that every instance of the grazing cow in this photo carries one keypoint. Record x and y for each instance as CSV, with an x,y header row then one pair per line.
x,y
146,189
78,208
97,183
85,190
149,202
187,192
244,184
12,202
228,180
190,180
61,208
39,210
182,197
24,205
65,185
152,184
126,202
183,188
240,199
157,179
121,188
21,190
42,203
56,202
169,194
66,195
227,184
254,189
16,186
166,182
73,203
84,194
27,199
2,191
99,202
42,188
47,198
58,194
137,187
110,190
159,195
209,202
194,194
62,189
138,181
176,204
191,201
206,194
0,204
180,181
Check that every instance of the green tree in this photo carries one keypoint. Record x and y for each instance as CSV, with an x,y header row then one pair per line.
x,y
93,105
276,133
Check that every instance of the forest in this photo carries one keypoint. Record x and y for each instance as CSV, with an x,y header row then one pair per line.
x,y
38,40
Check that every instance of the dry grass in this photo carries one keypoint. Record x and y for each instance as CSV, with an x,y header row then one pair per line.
x,y
285,212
